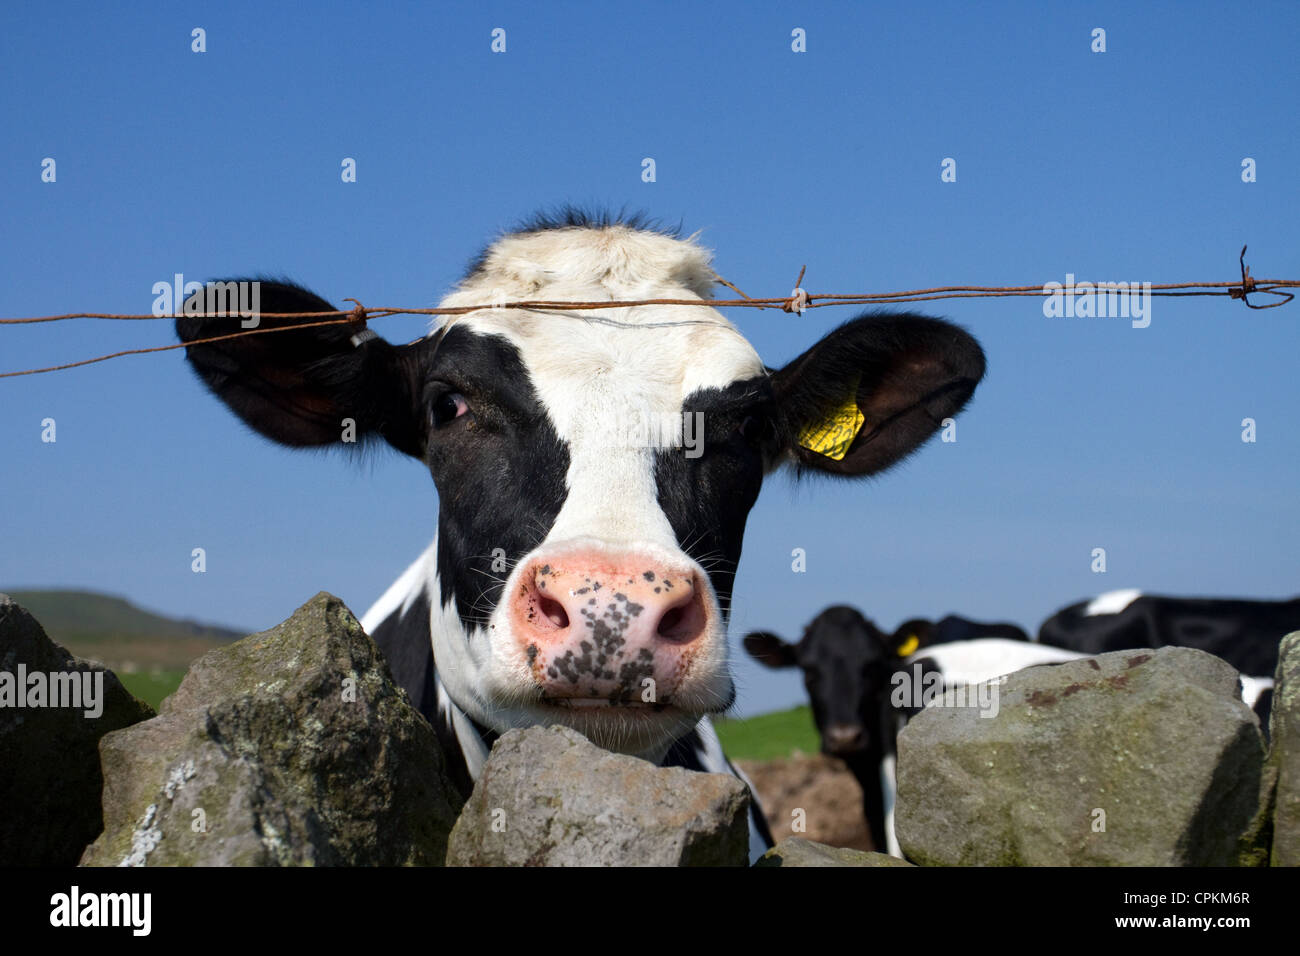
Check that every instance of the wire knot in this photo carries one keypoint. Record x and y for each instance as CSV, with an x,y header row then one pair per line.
x,y
1247,280
1248,286
357,320
798,300
357,316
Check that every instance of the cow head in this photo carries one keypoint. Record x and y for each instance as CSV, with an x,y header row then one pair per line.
x,y
586,544
848,669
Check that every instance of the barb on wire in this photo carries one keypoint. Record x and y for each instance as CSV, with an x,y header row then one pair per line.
x,y
1248,285
797,302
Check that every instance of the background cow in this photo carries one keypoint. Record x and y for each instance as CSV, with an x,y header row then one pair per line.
x,y
580,575
852,671
1244,633
918,632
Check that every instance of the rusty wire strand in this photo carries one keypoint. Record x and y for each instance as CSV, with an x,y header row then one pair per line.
x,y
359,314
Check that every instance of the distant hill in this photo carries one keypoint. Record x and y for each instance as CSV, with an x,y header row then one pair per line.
x,y
113,630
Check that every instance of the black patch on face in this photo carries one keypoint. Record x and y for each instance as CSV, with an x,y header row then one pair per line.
x,y
499,469
707,499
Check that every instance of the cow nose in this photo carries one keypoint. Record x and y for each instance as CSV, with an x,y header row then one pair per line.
x,y
845,738
624,631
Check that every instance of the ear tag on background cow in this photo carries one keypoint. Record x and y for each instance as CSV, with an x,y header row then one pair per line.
x,y
909,646
833,435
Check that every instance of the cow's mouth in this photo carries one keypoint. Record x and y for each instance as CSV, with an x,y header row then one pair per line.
x,y
598,703
632,726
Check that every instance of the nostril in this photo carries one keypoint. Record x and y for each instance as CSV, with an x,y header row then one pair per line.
x,y
553,610
683,622
670,621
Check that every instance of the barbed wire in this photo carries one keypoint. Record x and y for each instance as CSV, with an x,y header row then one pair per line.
x,y
797,302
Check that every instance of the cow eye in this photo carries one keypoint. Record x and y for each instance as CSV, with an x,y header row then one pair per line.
x,y
756,428
447,408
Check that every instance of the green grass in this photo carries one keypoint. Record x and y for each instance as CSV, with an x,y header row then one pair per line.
x,y
769,736
152,687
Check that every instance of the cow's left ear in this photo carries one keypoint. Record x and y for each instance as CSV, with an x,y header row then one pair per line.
x,y
872,391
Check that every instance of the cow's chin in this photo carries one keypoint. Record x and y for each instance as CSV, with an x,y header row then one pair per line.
x,y
641,730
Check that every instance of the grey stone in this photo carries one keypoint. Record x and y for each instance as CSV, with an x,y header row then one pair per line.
x,y
1284,758
549,797
50,779
796,851
1129,758
290,747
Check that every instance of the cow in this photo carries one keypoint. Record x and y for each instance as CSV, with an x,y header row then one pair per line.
x,y
853,672
919,632
594,471
1245,633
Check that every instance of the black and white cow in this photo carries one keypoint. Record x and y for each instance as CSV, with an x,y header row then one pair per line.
x,y
1244,633
585,552
919,632
854,673
847,664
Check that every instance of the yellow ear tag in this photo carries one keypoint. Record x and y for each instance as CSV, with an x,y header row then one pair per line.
x,y
833,435
909,646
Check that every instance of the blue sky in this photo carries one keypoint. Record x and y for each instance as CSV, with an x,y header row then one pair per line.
x,y
1123,165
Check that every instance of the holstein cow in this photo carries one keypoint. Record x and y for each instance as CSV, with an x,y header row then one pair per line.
x,y
586,541
864,685
1246,634
918,632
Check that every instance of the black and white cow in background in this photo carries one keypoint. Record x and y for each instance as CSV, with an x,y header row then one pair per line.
x,y
852,671
918,632
578,576
1244,633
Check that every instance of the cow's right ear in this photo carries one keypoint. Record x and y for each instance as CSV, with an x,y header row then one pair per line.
x,y
769,650
312,386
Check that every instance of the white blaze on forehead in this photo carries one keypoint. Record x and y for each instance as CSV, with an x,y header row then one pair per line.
x,y
606,374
